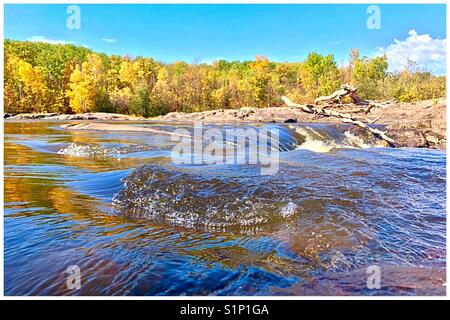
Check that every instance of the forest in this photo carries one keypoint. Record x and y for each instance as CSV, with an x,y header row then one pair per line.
x,y
42,77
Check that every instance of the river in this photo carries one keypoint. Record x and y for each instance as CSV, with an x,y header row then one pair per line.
x,y
115,205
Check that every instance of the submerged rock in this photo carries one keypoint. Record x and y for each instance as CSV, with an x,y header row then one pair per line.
x,y
193,199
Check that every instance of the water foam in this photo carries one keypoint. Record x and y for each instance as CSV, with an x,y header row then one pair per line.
x,y
314,141
352,140
319,141
88,150
83,150
193,199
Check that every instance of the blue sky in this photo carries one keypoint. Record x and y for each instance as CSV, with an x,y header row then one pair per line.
x,y
236,32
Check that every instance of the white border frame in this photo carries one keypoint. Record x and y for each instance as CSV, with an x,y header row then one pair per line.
x,y
200,298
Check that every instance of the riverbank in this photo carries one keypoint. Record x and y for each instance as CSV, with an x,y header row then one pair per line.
x,y
418,124
78,116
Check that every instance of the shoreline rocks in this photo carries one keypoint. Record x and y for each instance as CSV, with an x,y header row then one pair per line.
x,y
79,116
421,124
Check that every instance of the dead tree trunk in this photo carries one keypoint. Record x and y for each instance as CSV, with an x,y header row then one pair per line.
x,y
351,92
337,96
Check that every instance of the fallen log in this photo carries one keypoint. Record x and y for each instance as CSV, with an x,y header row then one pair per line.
x,y
351,92
338,95
344,117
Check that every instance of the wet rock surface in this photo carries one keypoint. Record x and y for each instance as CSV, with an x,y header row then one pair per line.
x,y
418,124
421,124
196,199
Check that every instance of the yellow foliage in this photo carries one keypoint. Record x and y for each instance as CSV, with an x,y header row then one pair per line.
x,y
85,83
26,90
46,78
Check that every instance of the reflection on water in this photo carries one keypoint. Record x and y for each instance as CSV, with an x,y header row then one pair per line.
x,y
136,224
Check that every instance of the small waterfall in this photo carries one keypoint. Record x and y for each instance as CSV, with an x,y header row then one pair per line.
x,y
324,138
314,141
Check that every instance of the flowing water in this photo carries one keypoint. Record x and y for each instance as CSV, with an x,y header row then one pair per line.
x,y
135,223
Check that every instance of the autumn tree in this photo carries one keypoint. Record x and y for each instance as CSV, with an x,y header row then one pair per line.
x,y
43,77
368,75
319,75
87,85
137,79
12,86
25,87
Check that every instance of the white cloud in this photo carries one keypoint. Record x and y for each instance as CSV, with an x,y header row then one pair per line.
x,y
210,60
427,53
44,39
109,40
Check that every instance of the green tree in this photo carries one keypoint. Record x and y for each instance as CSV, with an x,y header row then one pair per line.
x,y
319,75
369,75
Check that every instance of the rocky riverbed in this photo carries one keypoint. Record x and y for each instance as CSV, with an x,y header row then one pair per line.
x,y
419,124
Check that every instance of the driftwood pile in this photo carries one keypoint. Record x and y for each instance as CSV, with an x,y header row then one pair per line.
x,y
323,106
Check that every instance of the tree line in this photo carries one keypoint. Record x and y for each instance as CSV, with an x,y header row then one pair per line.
x,y
43,77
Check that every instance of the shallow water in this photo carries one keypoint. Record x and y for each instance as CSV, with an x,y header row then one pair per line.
x,y
115,204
